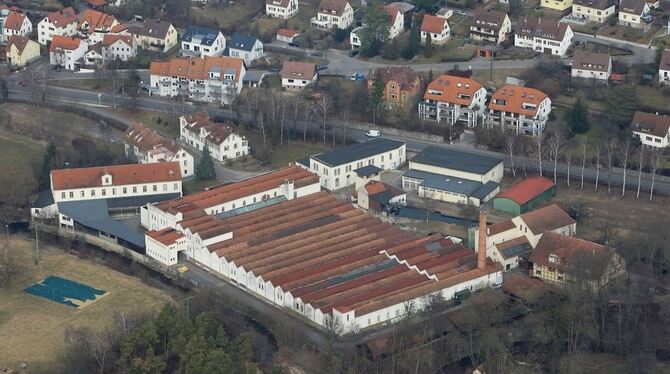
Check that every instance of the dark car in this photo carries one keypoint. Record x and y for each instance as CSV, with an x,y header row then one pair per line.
x,y
293,44
274,69
317,54
320,67
353,53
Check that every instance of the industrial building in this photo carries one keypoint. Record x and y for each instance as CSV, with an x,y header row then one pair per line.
x,y
318,257
453,176
525,195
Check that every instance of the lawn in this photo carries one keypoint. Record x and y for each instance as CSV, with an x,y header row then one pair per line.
x,y
195,185
499,75
164,123
516,53
652,98
215,14
32,328
84,84
280,157
601,48
20,152
629,33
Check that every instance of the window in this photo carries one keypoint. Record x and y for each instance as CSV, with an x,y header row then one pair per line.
x,y
62,195
125,190
155,188
82,193
144,188
164,186
176,186
92,193
113,191
134,189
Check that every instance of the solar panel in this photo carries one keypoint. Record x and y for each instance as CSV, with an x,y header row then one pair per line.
x,y
516,249
250,207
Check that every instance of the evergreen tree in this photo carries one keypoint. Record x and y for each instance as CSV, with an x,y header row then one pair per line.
x,y
48,164
376,31
4,92
205,169
621,103
391,50
428,48
414,41
377,93
578,119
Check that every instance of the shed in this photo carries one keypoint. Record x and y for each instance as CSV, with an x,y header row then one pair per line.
x,y
525,195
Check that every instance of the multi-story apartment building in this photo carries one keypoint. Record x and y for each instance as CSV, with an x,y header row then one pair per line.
x,y
13,22
543,35
454,99
198,131
664,68
147,146
490,25
337,168
67,52
401,84
201,41
651,129
210,79
94,26
333,13
284,9
589,65
634,13
435,27
593,10
523,110
63,22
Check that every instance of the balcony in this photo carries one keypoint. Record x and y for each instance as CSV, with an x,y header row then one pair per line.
x,y
320,24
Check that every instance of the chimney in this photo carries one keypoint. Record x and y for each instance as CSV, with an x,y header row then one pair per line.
x,y
481,245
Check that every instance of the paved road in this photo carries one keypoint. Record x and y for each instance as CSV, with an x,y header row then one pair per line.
x,y
641,55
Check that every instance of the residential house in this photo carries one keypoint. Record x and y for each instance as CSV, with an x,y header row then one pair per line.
x,y
209,79
664,68
512,241
155,35
67,52
453,99
523,110
119,47
634,13
287,35
201,41
378,196
198,131
653,130
147,146
94,56
590,65
563,259
437,28
247,47
21,51
445,13
593,10
283,9
490,25
298,75
337,167
558,5
94,25
62,22
543,35
333,14
13,22
401,84
453,176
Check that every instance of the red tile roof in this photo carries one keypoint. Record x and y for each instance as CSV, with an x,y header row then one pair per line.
x,y
66,179
19,41
433,24
545,28
298,70
287,32
650,123
511,98
63,17
110,39
92,20
147,139
527,189
452,89
14,21
545,219
196,68
60,43
333,7
571,254
217,133
165,236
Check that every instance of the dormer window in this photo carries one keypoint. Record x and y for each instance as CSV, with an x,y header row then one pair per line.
x,y
554,259
106,180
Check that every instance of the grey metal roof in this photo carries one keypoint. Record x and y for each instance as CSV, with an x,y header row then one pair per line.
x,y
457,160
95,215
485,190
135,201
445,183
367,170
517,250
251,207
241,41
358,151
304,162
207,35
254,75
44,199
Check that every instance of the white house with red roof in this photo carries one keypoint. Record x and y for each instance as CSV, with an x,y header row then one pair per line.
x,y
13,22
453,99
653,130
119,47
198,131
62,22
283,9
287,35
436,27
94,25
523,110
333,14
543,35
147,146
67,52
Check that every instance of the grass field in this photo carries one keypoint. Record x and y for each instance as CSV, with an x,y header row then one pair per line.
x,y
19,152
32,328
156,120
224,16
279,158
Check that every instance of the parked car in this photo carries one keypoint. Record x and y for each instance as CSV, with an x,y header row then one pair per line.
x,y
357,77
293,44
317,54
353,53
320,67
373,133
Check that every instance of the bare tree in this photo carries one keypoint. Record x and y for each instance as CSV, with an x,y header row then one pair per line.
x,y
640,165
570,149
555,147
428,202
610,152
510,148
282,118
582,146
538,141
230,97
655,162
597,151
624,158
345,114
325,104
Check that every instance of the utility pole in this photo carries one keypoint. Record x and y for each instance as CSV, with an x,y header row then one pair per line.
x,y
188,307
37,245
491,68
